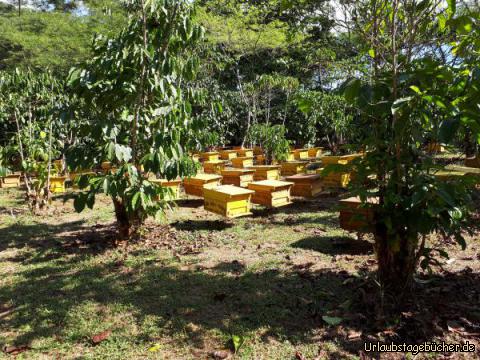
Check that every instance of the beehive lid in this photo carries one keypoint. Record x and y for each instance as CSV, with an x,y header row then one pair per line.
x,y
265,167
303,178
296,162
231,190
210,153
270,184
206,177
215,162
301,150
58,178
165,181
243,158
464,169
229,151
356,201
237,172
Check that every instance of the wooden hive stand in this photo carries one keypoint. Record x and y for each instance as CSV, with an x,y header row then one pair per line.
x,y
248,153
354,217
301,154
172,185
228,154
315,152
294,167
10,181
242,162
229,201
306,185
214,167
237,177
195,185
266,172
57,184
271,193
210,156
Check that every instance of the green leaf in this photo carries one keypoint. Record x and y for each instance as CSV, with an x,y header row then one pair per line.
x,y
332,321
79,203
371,52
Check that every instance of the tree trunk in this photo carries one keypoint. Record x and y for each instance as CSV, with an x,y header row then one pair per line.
x,y
123,220
396,264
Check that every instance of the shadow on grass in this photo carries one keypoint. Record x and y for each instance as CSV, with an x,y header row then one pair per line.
x,y
190,203
230,299
45,242
335,245
196,225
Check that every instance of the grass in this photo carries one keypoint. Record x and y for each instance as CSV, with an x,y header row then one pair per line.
x,y
196,280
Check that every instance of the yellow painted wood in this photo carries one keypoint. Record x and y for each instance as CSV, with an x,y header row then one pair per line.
x,y
210,156
229,201
57,184
173,185
294,168
237,177
248,153
355,217
271,193
315,152
214,167
308,186
228,154
290,156
242,162
435,148
266,172
345,159
300,154
10,181
335,179
195,185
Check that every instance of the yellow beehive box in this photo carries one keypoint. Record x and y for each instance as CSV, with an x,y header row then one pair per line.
x,y
271,193
449,174
172,185
238,177
195,185
294,168
315,152
335,179
257,150
229,201
214,167
245,153
290,156
210,156
57,184
301,154
260,159
242,162
266,172
228,154
307,185
10,181
435,148
355,217
345,159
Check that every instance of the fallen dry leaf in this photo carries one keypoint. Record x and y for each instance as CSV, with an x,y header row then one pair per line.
x,y
104,335
15,350
299,356
220,354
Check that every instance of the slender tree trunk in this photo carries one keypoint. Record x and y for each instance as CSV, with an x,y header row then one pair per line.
x,y
123,221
